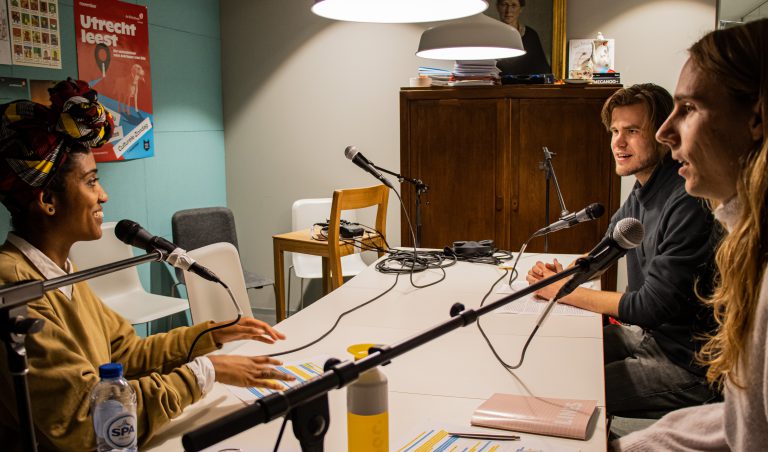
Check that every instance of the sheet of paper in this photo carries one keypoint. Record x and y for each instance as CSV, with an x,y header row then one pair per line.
x,y
438,439
532,305
303,370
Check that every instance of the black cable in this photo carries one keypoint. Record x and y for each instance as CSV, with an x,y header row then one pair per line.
x,y
280,435
338,319
217,327
513,275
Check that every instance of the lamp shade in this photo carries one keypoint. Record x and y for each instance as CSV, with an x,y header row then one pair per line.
x,y
473,38
397,11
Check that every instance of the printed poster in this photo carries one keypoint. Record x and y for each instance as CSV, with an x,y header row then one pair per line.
x,y
113,57
35,37
13,89
5,35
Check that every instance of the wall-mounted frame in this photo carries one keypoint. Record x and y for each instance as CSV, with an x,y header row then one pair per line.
x,y
548,19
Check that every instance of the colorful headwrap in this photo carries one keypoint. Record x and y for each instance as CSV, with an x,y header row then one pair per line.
x,y
35,139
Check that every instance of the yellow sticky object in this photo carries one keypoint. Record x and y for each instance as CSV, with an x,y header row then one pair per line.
x,y
368,433
359,351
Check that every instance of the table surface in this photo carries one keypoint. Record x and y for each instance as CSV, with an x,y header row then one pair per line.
x,y
439,384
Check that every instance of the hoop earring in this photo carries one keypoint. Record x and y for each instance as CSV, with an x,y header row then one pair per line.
x,y
51,210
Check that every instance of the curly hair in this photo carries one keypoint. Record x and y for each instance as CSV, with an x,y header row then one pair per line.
x,y
737,59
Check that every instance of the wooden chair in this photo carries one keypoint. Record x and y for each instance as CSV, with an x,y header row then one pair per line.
x,y
348,199
334,248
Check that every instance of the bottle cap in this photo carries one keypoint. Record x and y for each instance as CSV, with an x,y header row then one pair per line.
x,y
111,370
360,351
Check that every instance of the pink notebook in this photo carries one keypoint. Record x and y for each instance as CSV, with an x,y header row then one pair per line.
x,y
568,418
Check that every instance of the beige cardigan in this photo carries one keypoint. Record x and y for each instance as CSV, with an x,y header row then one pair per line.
x,y
78,336
741,422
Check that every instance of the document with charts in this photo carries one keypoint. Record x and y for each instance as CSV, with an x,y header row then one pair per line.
x,y
438,439
530,304
303,370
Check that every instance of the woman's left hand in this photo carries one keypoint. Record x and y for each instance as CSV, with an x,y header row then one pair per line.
x,y
248,328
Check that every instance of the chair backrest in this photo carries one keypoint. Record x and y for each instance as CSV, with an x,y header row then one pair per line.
x,y
354,198
208,300
194,228
105,250
305,213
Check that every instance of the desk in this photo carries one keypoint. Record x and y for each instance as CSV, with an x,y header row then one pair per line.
x,y
440,383
302,242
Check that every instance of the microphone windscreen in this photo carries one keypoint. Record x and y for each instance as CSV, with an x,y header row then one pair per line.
x,y
350,152
125,230
596,210
628,233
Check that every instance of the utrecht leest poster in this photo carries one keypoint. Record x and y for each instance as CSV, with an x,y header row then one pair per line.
x,y
35,36
113,57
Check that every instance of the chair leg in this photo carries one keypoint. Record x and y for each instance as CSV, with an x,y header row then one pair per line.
x,y
301,295
288,298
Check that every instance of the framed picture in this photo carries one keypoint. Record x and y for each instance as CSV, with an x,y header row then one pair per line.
x,y
547,18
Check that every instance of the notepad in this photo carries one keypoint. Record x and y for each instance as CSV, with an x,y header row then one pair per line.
x,y
302,370
530,304
568,418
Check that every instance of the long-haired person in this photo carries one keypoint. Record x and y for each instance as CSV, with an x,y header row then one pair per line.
x,y
717,130
49,183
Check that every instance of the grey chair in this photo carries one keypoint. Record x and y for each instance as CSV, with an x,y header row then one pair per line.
x,y
195,228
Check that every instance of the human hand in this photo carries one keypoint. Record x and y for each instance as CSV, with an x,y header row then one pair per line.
x,y
249,371
544,270
246,328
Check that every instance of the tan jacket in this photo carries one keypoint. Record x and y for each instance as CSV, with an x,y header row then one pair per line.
x,y
79,335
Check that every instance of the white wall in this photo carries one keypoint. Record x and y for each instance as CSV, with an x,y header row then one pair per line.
x,y
652,38
298,89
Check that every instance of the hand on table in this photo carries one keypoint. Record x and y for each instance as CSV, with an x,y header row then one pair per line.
x,y
544,270
247,328
249,371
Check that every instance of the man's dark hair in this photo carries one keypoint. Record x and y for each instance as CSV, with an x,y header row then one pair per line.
x,y
656,99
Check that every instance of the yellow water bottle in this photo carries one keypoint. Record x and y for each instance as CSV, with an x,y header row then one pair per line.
x,y
367,408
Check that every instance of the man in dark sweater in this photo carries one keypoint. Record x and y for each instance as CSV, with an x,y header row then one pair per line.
x,y
650,366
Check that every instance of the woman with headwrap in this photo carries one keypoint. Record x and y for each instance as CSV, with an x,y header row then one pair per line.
x,y
49,183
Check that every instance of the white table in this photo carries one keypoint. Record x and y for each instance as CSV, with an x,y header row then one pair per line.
x,y
439,383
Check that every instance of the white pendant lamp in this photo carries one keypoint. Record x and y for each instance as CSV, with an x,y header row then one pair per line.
x,y
397,11
473,38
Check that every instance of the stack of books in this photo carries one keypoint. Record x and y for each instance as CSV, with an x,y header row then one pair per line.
x,y
440,77
607,78
475,72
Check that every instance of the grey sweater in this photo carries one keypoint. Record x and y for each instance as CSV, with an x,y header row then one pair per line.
x,y
677,251
741,422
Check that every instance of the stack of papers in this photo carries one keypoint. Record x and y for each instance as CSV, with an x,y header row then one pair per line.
x,y
440,77
475,72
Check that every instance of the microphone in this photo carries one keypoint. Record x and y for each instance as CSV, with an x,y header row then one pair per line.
x,y
133,234
358,159
588,213
627,234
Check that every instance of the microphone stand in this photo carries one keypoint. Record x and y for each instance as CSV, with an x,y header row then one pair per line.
x,y
307,404
549,172
15,326
421,187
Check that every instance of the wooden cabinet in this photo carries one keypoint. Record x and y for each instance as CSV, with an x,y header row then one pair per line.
x,y
479,150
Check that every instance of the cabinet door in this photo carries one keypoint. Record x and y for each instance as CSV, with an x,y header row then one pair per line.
x,y
583,164
456,147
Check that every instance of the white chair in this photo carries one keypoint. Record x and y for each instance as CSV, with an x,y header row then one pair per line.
x,y
122,291
209,300
305,213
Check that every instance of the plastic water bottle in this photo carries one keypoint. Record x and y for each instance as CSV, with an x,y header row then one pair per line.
x,y
367,408
113,406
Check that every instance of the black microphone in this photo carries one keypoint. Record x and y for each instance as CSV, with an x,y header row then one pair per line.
x,y
627,234
588,213
133,234
358,159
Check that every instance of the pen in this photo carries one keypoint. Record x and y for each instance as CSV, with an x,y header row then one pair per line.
x,y
474,435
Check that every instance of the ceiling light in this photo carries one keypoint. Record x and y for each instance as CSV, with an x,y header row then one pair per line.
x,y
473,38
397,11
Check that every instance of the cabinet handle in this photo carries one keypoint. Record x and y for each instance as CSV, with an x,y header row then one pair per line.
x,y
499,203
